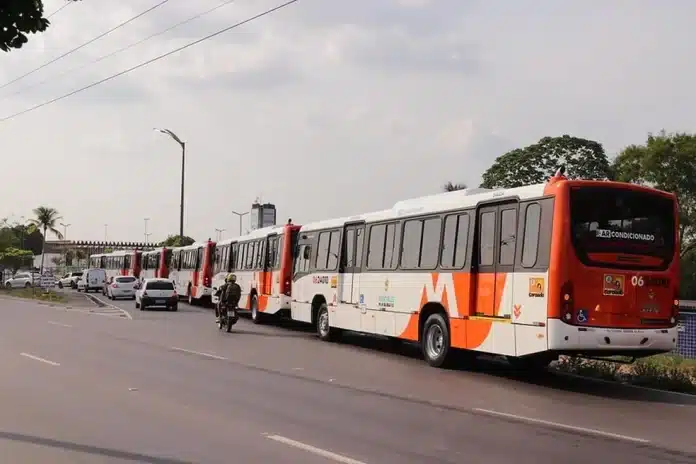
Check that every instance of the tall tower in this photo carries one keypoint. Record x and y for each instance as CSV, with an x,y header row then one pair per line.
x,y
262,215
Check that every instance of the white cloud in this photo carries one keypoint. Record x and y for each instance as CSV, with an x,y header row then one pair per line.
x,y
327,107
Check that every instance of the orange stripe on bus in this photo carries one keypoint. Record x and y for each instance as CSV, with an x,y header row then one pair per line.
x,y
487,296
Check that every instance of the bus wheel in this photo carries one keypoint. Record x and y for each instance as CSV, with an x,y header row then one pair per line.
x,y
191,301
256,316
435,342
324,330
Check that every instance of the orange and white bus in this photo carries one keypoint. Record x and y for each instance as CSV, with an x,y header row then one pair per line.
x,y
191,270
570,267
155,263
118,263
262,262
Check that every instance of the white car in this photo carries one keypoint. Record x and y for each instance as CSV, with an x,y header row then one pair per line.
x,y
69,280
157,292
91,280
20,280
122,287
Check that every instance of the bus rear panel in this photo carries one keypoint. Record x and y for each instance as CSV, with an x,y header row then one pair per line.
x,y
615,283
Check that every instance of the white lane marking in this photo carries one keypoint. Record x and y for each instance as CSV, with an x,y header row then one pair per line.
x,y
59,324
36,358
121,310
571,428
313,449
199,353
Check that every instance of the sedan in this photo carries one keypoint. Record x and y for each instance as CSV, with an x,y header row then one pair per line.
x,y
157,292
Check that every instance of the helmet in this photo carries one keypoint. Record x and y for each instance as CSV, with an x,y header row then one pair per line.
x,y
231,278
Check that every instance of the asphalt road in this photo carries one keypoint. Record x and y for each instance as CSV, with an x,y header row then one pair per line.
x,y
167,387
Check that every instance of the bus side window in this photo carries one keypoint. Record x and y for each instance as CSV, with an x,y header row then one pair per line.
x,y
508,230
530,241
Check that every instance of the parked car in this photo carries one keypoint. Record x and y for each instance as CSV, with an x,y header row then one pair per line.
x,y
91,280
121,287
20,280
69,280
157,292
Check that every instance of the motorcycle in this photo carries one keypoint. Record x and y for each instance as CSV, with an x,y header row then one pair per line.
x,y
228,317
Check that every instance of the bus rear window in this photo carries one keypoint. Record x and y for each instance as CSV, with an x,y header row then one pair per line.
x,y
160,285
618,221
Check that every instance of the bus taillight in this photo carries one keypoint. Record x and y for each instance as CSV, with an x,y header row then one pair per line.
x,y
567,302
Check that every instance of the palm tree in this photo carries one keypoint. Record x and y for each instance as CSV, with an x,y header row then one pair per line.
x,y
450,187
46,220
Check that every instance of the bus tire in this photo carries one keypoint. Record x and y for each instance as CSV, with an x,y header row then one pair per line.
x,y
191,301
435,341
324,330
256,316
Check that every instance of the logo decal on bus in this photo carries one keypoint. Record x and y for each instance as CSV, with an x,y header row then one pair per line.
x,y
614,284
536,287
334,282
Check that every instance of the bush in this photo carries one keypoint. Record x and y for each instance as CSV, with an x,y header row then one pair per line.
x,y
666,372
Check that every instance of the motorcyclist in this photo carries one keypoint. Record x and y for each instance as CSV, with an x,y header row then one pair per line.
x,y
230,294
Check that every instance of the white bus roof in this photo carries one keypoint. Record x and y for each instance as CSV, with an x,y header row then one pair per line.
x,y
254,234
193,246
156,250
432,204
118,253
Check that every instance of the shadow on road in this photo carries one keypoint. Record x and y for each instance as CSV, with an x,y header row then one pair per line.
x,y
501,369
88,449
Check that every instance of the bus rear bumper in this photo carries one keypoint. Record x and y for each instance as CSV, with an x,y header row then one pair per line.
x,y
609,341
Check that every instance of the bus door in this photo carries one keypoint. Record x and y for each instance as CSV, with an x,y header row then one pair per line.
x,y
351,264
269,262
496,230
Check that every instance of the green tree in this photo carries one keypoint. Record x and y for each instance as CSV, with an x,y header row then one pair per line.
x,y
667,162
19,18
687,287
450,187
46,220
534,164
14,258
175,241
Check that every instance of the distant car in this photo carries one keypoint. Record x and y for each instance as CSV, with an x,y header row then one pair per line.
x,y
91,280
69,280
122,287
20,280
157,292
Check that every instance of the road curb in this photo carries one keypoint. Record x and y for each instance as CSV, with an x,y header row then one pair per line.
x,y
691,396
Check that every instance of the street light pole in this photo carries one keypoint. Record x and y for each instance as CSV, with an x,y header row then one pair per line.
x,y
218,234
241,215
146,234
65,230
106,232
183,170
65,237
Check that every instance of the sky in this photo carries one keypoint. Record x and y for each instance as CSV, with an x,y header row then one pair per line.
x,y
325,108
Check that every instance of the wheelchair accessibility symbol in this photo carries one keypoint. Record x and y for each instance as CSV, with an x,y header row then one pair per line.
x,y
582,316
